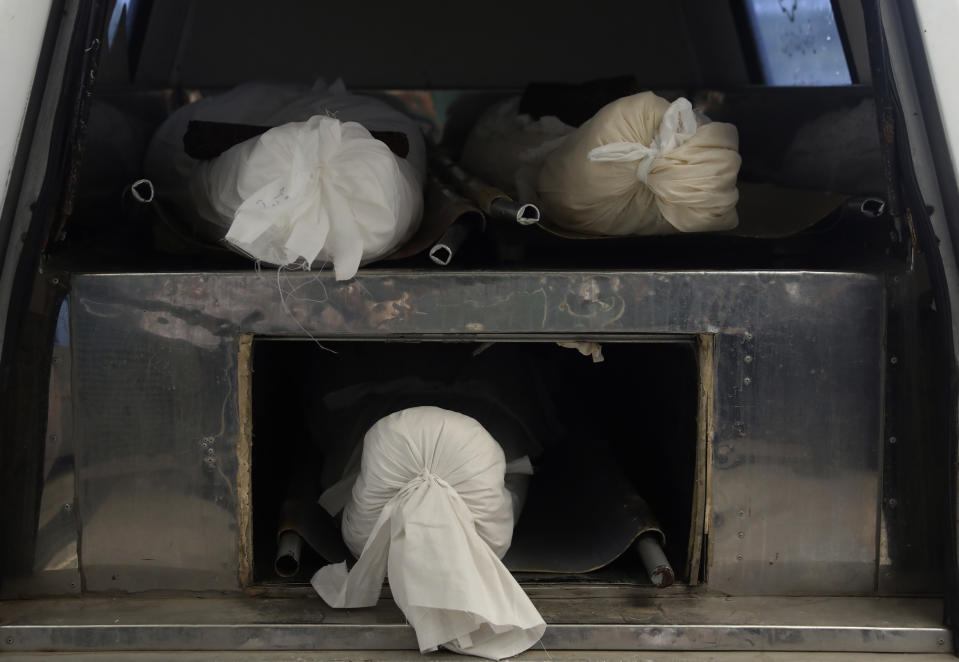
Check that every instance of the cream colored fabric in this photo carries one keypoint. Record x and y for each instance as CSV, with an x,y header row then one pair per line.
x,y
643,166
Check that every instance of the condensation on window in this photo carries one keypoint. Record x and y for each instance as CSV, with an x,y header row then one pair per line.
x,y
798,42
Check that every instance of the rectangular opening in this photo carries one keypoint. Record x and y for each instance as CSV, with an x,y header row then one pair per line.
x,y
599,434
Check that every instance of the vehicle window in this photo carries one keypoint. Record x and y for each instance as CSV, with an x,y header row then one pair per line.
x,y
798,42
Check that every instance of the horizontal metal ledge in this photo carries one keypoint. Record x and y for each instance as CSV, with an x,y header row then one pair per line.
x,y
866,625
537,654
400,637
379,304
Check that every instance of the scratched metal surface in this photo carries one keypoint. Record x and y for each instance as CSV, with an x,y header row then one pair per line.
x,y
795,464
884,625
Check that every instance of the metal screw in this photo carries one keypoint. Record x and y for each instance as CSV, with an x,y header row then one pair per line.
x,y
748,358
892,440
893,503
747,381
748,336
741,534
68,507
894,360
941,642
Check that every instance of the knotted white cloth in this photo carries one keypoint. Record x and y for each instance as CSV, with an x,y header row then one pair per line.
x,y
678,126
315,189
431,510
320,189
684,177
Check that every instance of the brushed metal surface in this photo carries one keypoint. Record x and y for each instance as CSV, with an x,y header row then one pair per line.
x,y
55,569
912,537
702,623
797,398
538,655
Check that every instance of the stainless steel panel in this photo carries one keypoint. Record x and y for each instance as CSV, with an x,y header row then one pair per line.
x,y
915,503
536,655
156,420
55,569
715,624
795,467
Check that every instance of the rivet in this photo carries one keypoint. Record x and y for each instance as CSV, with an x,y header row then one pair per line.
x,y
741,534
748,336
68,507
893,503
894,360
739,557
747,381
892,440
742,514
748,358
941,642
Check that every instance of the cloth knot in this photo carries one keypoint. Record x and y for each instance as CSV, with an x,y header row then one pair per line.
x,y
677,126
425,476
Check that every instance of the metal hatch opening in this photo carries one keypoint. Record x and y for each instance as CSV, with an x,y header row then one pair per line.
x,y
608,435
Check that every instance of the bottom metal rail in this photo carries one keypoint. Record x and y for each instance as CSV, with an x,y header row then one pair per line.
x,y
688,623
536,655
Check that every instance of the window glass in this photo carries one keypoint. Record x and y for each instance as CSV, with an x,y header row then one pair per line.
x,y
798,42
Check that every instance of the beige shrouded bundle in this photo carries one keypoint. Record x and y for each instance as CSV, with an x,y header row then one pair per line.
x,y
643,166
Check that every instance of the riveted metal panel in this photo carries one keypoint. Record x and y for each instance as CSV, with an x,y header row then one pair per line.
x,y
794,475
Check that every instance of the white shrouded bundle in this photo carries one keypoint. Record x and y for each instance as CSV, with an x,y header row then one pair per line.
x,y
315,188
640,166
431,510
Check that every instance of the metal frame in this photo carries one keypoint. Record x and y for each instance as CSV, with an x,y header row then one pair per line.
x,y
691,624
797,402
792,389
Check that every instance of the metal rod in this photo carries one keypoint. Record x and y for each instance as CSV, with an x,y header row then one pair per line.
x,y
491,201
288,551
654,560
872,207
522,213
444,250
142,191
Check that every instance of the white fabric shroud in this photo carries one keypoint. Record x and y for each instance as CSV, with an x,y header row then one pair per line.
x,y
507,148
316,188
430,510
642,166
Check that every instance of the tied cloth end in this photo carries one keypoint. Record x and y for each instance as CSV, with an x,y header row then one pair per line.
x,y
677,126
